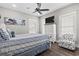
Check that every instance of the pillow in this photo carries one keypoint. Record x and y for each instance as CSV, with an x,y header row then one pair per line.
x,y
13,33
9,32
4,34
1,39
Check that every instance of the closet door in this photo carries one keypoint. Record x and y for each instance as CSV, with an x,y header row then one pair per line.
x,y
68,28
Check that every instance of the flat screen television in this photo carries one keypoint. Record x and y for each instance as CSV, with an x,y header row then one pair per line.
x,y
49,20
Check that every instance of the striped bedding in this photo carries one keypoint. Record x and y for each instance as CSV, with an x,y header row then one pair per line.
x,y
22,43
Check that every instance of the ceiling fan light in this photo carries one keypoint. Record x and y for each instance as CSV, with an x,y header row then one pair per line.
x,y
13,5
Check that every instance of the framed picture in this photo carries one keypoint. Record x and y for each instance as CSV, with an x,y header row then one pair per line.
x,y
11,21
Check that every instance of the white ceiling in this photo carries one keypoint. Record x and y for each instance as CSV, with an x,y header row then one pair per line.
x,y
29,8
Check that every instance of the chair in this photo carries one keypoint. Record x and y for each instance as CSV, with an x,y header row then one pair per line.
x,y
67,41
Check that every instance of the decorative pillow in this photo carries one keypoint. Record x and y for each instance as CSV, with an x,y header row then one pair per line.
x,y
9,32
1,39
4,34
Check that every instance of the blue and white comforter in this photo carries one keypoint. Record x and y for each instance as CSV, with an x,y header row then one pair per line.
x,y
21,43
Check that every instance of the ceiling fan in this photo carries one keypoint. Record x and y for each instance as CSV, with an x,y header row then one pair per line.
x,y
39,10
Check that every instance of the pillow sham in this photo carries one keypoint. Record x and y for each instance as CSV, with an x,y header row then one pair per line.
x,y
1,39
4,34
9,32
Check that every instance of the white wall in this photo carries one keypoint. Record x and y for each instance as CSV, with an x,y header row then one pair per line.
x,y
57,13
15,14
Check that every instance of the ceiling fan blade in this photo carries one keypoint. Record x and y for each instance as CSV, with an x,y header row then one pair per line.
x,y
44,9
39,5
39,12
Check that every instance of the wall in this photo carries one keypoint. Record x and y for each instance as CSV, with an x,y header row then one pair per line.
x,y
57,13
15,14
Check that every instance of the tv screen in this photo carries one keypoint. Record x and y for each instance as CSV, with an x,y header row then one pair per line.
x,y
49,20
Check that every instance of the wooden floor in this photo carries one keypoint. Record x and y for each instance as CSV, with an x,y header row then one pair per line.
x,y
55,50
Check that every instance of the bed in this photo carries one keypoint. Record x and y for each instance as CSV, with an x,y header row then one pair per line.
x,y
25,45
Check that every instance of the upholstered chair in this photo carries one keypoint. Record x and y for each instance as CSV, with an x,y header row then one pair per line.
x,y
67,41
